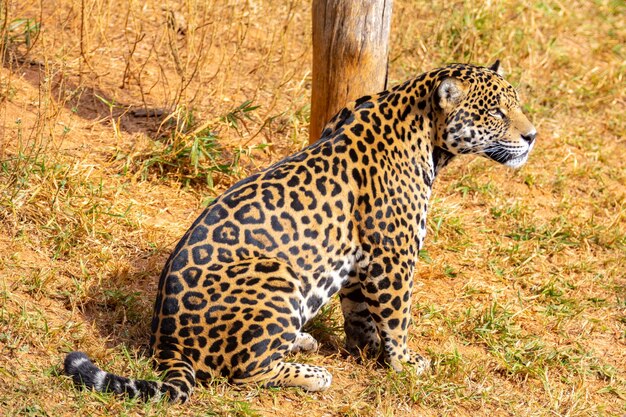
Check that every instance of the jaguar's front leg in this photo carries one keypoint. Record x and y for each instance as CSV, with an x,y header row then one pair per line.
x,y
360,329
387,290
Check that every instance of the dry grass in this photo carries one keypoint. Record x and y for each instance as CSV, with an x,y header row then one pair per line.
x,y
521,298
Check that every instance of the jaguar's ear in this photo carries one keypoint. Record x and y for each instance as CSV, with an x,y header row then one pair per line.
x,y
497,68
450,93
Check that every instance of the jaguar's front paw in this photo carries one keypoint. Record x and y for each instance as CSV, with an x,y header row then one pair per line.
x,y
417,362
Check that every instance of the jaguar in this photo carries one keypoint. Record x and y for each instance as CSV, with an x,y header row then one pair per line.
x,y
345,215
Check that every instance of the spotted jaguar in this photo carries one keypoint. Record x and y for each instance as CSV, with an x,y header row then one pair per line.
x,y
345,215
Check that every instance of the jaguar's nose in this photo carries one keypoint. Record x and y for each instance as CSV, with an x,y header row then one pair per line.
x,y
530,137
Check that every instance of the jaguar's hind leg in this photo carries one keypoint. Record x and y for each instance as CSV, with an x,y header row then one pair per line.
x,y
304,343
288,374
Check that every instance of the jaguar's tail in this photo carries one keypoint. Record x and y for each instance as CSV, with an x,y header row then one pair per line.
x,y
177,385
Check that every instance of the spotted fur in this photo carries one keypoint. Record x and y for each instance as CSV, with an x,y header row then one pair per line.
x,y
346,215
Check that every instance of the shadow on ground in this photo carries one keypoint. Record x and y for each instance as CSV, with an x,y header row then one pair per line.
x,y
90,102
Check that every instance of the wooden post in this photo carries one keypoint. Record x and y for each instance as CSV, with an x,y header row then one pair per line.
x,y
350,55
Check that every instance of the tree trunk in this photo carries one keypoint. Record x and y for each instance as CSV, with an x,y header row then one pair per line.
x,y
350,55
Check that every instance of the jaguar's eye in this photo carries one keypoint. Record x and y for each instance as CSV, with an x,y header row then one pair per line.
x,y
499,113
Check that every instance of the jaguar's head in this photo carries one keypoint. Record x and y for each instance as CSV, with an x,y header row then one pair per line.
x,y
480,113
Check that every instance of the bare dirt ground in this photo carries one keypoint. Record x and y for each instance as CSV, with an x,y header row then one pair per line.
x,y
120,120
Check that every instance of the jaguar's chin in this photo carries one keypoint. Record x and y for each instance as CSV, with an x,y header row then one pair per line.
x,y
517,161
507,158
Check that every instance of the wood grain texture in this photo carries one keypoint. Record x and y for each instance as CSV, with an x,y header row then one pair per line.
x,y
350,55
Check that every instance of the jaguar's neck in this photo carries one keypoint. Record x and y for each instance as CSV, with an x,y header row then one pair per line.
x,y
419,118
416,130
